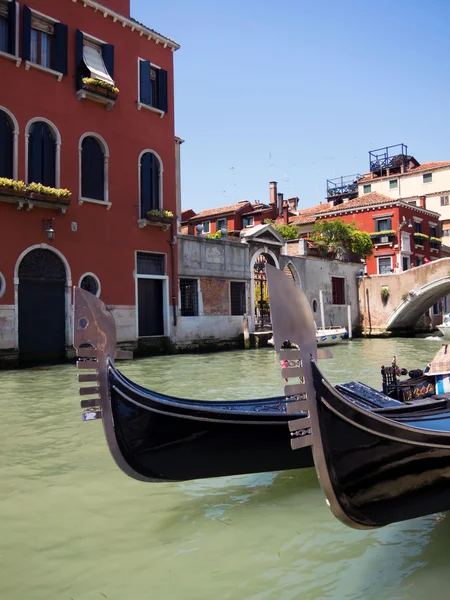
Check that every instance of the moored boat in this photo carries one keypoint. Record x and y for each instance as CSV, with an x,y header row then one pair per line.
x,y
376,464
445,327
330,336
156,437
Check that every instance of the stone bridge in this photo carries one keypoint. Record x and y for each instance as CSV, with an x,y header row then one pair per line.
x,y
409,295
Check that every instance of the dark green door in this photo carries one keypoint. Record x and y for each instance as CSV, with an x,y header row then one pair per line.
x,y
150,307
42,312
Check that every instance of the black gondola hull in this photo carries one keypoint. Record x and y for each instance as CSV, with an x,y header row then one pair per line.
x,y
382,470
161,439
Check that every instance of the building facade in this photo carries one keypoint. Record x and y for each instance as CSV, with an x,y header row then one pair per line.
x,y
404,235
87,169
240,216
396,174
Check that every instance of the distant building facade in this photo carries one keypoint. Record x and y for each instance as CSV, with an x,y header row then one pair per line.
x,y
239,216
404,235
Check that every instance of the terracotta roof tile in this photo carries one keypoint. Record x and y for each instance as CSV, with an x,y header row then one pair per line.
x,y
371,199
221,210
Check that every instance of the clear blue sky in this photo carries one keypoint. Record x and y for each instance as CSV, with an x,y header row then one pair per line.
x,y
300,90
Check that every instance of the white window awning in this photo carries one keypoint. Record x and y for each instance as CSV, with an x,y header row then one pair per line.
x,y
94,61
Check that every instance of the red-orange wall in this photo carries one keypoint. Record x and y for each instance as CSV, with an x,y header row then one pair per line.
x,y
365,221
106,240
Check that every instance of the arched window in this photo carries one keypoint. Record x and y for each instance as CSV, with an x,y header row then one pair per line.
x,y
6,146
90,283
42,154
92,169
150,173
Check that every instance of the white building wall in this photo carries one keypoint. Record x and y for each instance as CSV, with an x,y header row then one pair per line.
x,y
411,185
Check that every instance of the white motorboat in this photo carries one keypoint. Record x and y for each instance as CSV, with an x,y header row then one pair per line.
x,y
329,336
326,336
445,327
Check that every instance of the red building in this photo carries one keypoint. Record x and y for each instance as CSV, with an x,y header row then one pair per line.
x,y
404,235
239,216
86,105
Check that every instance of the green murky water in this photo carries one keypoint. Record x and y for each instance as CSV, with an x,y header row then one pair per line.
x,y
73,527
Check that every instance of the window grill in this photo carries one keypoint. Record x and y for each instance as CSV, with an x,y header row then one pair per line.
x,y
189,297
151,264
237,296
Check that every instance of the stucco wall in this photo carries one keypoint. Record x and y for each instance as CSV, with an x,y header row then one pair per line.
x,y
411,185
207,328
203,257
315,275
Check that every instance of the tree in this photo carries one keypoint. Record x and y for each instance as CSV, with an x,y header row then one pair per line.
x,y
337,234
361,244
287,232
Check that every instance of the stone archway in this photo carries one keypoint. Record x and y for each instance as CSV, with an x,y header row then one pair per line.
x,y
41,306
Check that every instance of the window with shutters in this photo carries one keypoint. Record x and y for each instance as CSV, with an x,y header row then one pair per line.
x,y
44,42
94,61
8,34
150,183
92,169
152,87
95,70
4,26
338,290
6,146
42,154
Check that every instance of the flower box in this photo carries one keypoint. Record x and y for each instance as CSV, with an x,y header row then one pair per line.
x,y
34,196
159,219
5,191
100,91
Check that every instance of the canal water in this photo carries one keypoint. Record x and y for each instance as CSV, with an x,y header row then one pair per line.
x,y
73,527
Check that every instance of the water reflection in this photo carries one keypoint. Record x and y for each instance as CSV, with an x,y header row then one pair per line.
x,y
73,526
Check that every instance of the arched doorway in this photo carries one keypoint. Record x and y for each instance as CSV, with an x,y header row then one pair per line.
x,y
261,295
42,311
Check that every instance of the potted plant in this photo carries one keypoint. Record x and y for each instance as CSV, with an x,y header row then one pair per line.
x,y
435,240
100,87
37,191
159,216
385,295
420,237
11,187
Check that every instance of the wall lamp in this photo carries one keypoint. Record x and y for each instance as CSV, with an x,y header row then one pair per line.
x,y
405,223
47,228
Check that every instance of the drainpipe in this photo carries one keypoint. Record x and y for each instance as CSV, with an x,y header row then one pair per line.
x,y
172,243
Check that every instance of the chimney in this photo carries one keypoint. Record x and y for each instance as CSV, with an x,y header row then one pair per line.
x,y
293,203
285,213
280,203
422,201
273,193
191,229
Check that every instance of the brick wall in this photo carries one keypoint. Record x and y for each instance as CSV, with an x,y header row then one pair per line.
x,y
216,296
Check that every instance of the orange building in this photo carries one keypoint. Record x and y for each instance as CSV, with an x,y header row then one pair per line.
x,y
86,105
404,235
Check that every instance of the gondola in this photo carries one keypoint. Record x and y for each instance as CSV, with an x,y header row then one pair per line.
x,y
154,437
379,459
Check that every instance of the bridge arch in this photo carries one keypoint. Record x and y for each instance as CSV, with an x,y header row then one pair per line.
x,y
417,303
